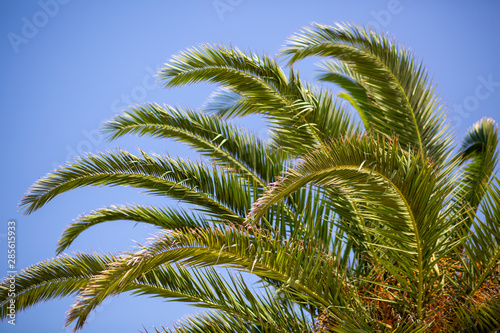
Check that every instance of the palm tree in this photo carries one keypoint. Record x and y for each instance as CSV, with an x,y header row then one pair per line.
x,y
377,225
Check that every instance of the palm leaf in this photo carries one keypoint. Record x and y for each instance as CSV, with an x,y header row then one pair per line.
x,y
206,287
483,245
399,199
228,145
186,181
163,217
51,279
304,272
479,151
295,110
221,322
389,85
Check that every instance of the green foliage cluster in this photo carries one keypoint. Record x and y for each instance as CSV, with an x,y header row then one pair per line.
x,y
350,227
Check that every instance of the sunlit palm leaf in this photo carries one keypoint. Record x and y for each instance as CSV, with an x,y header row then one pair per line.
x,y
51,279
183,180
229,145
479,152
295,110
399,202
206,287
304,271
162,217
388,84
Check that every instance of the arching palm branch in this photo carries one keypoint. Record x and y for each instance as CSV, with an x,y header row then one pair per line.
x,y
376,226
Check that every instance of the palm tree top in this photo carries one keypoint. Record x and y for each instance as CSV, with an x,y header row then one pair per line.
x,y
371,226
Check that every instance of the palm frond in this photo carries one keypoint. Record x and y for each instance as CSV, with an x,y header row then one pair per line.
x,y
480,151
212,322
183,180
232,68
51,279
227,103
349,80
389,85
303,270
217,321
163,217
227,144
483,245
399,201
480,315
206,287
291,107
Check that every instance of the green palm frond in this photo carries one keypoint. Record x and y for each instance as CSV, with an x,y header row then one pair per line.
x,y
389,85
315,110
218,321
303,270
294,110
483,245
480,316
230,67
65,276
162,217
227,103
480,151
315,217
226,144
51,279
182,180
350,81
206,287
399,202
213,322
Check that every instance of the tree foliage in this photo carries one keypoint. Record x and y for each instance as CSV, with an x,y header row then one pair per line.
x,y
370,226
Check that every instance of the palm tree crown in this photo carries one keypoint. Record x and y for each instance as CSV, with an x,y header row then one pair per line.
x,y
372,226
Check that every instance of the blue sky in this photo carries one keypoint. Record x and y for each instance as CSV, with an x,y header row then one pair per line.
x,y
69,65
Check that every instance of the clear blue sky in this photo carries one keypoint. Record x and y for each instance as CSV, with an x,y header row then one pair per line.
x,y
68,65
